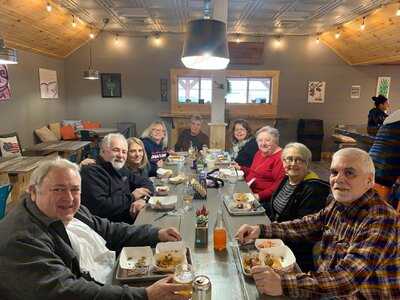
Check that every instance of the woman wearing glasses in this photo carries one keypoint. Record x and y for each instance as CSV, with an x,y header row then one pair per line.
x,y
300,193
244,145
155,140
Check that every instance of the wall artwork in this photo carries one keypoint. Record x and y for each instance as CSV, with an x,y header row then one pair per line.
x,y
111,85
5,91
164,90
48,84
316,91
355,92
382,88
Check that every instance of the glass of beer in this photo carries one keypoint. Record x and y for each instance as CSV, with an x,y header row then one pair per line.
x,y
184,274
187,197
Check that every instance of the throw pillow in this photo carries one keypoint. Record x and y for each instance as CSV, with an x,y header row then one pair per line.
x,y
45,135
9,146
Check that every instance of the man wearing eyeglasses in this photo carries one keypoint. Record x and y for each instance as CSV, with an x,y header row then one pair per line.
x,y
193,136
51,247
360,240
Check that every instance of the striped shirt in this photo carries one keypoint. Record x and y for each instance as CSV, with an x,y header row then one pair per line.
x,y
360,256
282,197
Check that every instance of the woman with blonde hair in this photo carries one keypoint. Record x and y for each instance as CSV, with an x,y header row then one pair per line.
x,y
155,140
137,158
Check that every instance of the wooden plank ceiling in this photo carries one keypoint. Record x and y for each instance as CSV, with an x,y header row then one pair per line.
x,y
27,25
378,43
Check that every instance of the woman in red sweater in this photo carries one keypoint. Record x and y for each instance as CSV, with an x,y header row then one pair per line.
x,y
266,172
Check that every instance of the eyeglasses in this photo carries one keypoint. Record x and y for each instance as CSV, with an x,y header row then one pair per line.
x,y
296,160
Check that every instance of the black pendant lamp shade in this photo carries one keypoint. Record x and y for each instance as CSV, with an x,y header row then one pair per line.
x,y
205,46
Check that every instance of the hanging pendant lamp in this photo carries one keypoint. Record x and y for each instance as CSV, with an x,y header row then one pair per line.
x,y
8,56
91,74
205,46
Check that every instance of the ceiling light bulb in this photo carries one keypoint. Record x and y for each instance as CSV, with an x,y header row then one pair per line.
x,y
362,27
73,22
237,39
337,35
317,40
91,35
398,12
48,7
116,39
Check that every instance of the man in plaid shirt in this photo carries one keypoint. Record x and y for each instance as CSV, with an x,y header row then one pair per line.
x,y
359,233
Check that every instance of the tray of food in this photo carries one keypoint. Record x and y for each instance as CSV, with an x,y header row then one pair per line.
x,y
243,204
278,257
137,264
175,159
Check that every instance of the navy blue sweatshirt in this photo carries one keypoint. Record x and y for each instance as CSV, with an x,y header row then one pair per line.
x,y
155,152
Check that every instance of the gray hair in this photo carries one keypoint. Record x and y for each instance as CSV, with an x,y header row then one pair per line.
x,y
196,118
359,154
304,152
147,131
45,167
273,132
106,142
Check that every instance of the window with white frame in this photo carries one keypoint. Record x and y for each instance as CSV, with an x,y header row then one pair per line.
x,y
194,90
249,90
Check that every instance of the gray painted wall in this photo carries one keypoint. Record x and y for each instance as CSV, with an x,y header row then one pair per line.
x,y
299,59
26,111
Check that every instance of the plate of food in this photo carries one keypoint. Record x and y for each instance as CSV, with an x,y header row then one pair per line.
x,y
136,260
268,243
177,179
225,173
175,159
243,197
162,190
161,172
168,255
163,203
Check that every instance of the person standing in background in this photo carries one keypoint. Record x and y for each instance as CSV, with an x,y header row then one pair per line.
x,y
377,115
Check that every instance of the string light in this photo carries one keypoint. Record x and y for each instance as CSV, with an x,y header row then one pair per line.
x,y
317,39
278,41
91,34
362,27
48,7
157,40
116,39
73,21
337,35
237,38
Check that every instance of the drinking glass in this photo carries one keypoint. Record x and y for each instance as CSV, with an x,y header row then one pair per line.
x,y
187,197
184,274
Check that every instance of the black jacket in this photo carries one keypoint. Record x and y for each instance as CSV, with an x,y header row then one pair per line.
x,y
38,263
375,120
308,198
186,137
106,192
246,153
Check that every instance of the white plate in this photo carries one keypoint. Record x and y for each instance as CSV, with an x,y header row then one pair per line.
x,y
163,202
175,159
274,242
162,190
177,179
250,197
130,256
176,249
224,172
284,251
161,172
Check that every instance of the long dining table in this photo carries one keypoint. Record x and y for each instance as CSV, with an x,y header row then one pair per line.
x,y
223,268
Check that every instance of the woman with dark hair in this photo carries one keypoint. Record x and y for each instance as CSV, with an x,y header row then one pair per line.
x,y
377,115
244,145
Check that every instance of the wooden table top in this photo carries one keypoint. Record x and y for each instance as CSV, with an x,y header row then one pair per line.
x,y
62,146
20,164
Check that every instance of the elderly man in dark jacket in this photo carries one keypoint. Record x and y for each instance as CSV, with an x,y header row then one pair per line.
x,y
109,189
53,248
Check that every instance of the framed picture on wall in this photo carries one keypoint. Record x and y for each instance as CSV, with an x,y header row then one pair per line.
x,y
48,84
316,91
383,86
355,91
5,91
111,85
